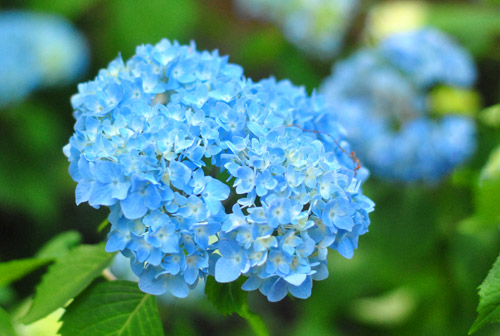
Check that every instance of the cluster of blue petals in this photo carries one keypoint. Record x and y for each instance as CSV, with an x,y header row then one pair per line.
x,y
317,27
37,50
381,96
209,173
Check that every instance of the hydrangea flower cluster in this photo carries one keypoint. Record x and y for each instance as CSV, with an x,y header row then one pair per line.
x,y
317,27
207,172
37,50
381,96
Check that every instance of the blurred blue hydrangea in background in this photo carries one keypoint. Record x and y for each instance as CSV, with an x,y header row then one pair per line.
x,y
315,26
208,172
37,50
382,97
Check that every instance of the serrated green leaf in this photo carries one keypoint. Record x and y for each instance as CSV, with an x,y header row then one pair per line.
x,y
13,270
67,278
114,308
6,328
229,298
16,269
59,245
489,299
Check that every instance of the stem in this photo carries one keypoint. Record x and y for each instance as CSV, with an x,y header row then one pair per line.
x,y
256,324
103,224
106,273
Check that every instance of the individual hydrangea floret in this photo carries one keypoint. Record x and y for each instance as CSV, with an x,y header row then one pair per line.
x,y
37,50
382,97
317,27
209,173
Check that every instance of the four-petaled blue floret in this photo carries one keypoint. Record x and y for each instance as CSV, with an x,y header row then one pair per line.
x,y
382,98
207,172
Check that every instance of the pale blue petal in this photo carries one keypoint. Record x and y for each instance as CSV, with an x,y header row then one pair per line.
x,y
252,283
101,195
191,275
295,279
149,283
120,190
133,206
227,270
345,248
82,193
277,291
177,286
303,291
116,241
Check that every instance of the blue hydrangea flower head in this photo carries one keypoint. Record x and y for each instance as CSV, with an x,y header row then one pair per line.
x,y
429,57
381,96
317,27
37,50
209,173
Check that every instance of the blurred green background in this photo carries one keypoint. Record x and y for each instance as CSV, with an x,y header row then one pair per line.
x,y
428,248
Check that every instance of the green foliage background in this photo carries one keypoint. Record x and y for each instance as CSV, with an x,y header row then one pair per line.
x,y
417,270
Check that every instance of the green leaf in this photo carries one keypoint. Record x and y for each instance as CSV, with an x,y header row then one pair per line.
x,y
112,308
11,271
491,116
6,328
67,278
59,245
16,269
489,299
229,298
